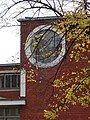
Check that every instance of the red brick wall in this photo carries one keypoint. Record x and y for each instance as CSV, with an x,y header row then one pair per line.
x,y
38,93
10,95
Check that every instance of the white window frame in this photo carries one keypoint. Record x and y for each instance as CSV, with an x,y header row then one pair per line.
x,y
23,83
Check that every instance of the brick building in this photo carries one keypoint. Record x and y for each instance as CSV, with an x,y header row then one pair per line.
x,y
10,100
29,96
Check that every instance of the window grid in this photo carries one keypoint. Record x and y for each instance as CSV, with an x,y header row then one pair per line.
x,y
49,43
9,81
7,114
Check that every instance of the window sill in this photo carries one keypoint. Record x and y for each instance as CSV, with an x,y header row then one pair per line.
x,y
12,102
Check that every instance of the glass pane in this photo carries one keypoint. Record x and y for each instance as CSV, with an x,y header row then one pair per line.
x,y
7,112
46,46
1,112
2,119
1,81
18,82
12,112
14,80
7,81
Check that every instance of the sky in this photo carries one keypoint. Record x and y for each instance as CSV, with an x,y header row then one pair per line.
x,y
9,45
10,36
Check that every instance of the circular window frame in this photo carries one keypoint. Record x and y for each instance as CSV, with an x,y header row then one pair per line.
x,y
29,53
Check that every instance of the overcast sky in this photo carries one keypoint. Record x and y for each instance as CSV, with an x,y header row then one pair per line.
x,y
10,37
9,45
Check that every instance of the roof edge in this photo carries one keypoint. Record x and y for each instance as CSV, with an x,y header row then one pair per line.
x,y
38,18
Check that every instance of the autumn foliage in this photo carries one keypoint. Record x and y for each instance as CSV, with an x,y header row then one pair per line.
x,y
75,90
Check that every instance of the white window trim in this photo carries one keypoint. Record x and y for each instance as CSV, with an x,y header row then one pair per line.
x,y
12,102
9,71
23,83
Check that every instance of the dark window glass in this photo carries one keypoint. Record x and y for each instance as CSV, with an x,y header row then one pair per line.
x,y
9,114
18,81
8,81
14,80
12,112
1,112
1,81
46,46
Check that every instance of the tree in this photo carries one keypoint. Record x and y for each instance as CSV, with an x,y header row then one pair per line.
x,y
74,24
14,8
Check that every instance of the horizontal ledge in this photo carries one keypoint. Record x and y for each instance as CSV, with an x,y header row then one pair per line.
x,y
9,89
39,18
9,71
10,65
12,102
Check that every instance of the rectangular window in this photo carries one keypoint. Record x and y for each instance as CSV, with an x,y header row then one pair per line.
x,y
9,81
9,114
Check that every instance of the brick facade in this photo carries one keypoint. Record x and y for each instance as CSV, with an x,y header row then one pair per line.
x,y
38,93
10,94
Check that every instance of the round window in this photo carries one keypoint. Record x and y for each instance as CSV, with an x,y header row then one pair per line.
x,y
45,46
